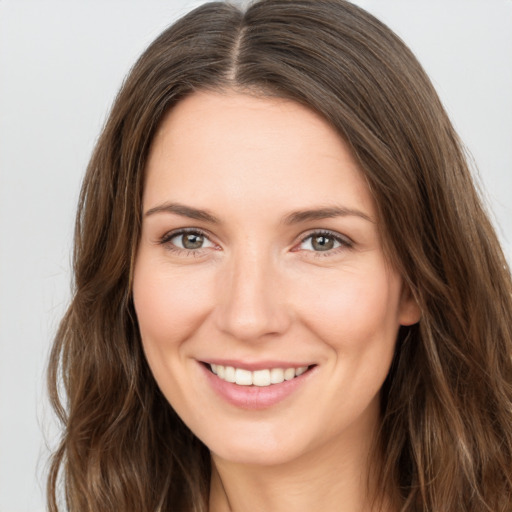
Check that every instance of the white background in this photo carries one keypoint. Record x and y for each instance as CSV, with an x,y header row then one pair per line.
x,y
61,63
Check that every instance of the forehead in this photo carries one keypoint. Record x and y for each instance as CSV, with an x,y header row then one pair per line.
x,y
237,147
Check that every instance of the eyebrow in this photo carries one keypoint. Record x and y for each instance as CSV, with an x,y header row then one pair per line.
x,y
293,218
184,211
324,213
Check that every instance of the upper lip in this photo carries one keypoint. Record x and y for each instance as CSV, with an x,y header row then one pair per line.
x,y
256,365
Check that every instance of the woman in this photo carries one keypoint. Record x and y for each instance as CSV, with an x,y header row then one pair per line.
x,y
287,293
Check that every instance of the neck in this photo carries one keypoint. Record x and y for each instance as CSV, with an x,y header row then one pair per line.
x,y
330,478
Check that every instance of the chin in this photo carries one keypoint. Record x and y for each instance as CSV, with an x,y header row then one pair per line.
x,y
250,455
263,448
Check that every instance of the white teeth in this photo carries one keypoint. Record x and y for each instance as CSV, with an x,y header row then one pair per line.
x,y
260,378
289,373
300,371
229,375
243,377
276,375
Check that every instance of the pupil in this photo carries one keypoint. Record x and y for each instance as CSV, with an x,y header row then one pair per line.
x,y
192,241
322,243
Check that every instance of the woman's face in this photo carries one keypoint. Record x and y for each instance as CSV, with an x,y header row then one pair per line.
x,y
260,262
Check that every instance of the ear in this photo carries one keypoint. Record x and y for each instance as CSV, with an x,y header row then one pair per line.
x,y
409,311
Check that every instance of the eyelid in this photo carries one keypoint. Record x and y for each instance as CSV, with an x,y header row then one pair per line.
x,y
168,236
344,241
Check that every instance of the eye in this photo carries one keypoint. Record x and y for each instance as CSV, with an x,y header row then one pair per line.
x,y
323,242
188,240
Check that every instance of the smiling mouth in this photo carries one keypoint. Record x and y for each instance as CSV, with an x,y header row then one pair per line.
x,y
260,378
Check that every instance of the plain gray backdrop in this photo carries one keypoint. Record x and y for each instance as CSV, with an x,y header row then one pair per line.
x,y
61,63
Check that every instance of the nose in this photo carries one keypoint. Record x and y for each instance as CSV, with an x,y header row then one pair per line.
x,y
251,299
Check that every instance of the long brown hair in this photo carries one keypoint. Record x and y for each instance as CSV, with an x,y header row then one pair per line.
x,y
446,434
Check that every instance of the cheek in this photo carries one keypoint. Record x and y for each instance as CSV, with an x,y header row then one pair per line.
x,y
356,316
169,304
352,310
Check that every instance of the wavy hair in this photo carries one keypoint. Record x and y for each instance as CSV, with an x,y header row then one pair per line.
x,y
446,433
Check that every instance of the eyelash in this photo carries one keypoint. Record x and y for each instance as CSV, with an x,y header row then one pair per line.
x,y
166,239
345,242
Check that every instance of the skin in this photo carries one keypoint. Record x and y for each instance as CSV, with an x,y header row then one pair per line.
x,y
258,289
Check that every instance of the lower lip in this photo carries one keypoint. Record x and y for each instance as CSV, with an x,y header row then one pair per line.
x,y
255,397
